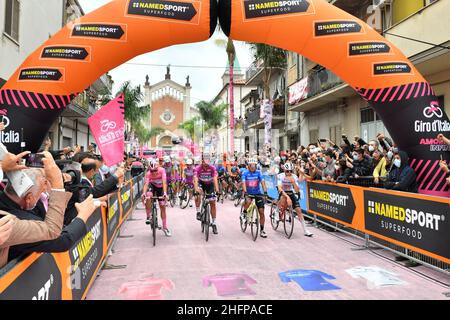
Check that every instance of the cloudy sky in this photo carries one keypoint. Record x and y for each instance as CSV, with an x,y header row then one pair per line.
x,y
206,82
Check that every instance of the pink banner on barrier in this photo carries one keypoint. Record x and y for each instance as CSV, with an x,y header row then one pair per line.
x,y
107,126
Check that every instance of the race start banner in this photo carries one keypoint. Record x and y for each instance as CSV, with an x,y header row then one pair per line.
x,y
107,127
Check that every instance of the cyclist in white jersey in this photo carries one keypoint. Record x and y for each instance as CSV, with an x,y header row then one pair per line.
x,y
288,188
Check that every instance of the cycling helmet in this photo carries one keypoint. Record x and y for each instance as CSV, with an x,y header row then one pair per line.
x,y
189,162
277,159
288,166
167,159
252,161
220,162
154,164
234,169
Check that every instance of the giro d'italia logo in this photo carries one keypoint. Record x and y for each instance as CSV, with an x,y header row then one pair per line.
x,y
391,68
69,53
183,11
41,74
266,8
368,48
332,28
105,31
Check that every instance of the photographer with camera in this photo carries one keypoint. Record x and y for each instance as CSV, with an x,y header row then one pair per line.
x,y
19,219
81,185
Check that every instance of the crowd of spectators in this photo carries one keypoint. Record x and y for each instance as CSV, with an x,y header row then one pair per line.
x,y
68,185
375,163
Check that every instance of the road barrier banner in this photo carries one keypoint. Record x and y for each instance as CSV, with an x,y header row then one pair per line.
x,y
417,222
40,280
86,256
332,201
126,199
112,216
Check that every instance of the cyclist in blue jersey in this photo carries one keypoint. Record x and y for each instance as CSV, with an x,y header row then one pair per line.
x,y
221,173
251,179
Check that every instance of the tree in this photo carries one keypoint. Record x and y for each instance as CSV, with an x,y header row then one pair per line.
x,y
213,115
133,98
231,53
143,134
272,58
189,127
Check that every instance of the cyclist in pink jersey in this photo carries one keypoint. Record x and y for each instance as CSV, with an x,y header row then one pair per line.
x,y
205,180
188,176
156,185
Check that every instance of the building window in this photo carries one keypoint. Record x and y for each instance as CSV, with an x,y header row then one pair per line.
x,y
335,134
313,136
367,115
12,14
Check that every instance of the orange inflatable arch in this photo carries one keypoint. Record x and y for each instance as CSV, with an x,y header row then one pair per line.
x,y
84,50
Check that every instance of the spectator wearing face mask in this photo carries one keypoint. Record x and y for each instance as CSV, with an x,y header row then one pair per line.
x,y
361,165
385,142
402,177
329,172
379,162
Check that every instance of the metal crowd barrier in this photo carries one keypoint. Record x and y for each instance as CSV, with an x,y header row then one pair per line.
x,y
369,241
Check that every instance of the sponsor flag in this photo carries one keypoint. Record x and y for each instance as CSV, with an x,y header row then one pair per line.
x,y
107,127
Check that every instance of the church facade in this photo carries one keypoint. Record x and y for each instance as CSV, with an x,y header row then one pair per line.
x,y
170,106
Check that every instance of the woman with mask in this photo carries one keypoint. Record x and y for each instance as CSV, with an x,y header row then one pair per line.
x,y
379,162
402,177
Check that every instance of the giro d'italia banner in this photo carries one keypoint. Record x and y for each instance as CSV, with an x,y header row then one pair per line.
x,y
107,126
86,256
424,224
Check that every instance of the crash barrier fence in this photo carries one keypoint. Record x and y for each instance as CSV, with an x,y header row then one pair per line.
x,y
412,225
70,275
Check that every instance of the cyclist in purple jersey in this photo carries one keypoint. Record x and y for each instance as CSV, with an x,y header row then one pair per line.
x,y
188,173
168,167
205,179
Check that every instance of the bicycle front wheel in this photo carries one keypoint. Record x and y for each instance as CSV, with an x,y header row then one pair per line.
x,y
273,211
288,222
254,222
184,198
238,199
172,197
154,224
207,221
243,222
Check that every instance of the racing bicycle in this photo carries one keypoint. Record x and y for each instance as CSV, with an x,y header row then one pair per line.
x,y
154,219
185,195
286,216
206,213
251,218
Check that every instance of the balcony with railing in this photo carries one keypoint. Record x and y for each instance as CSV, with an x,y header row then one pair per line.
x,y
322,87
254,121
